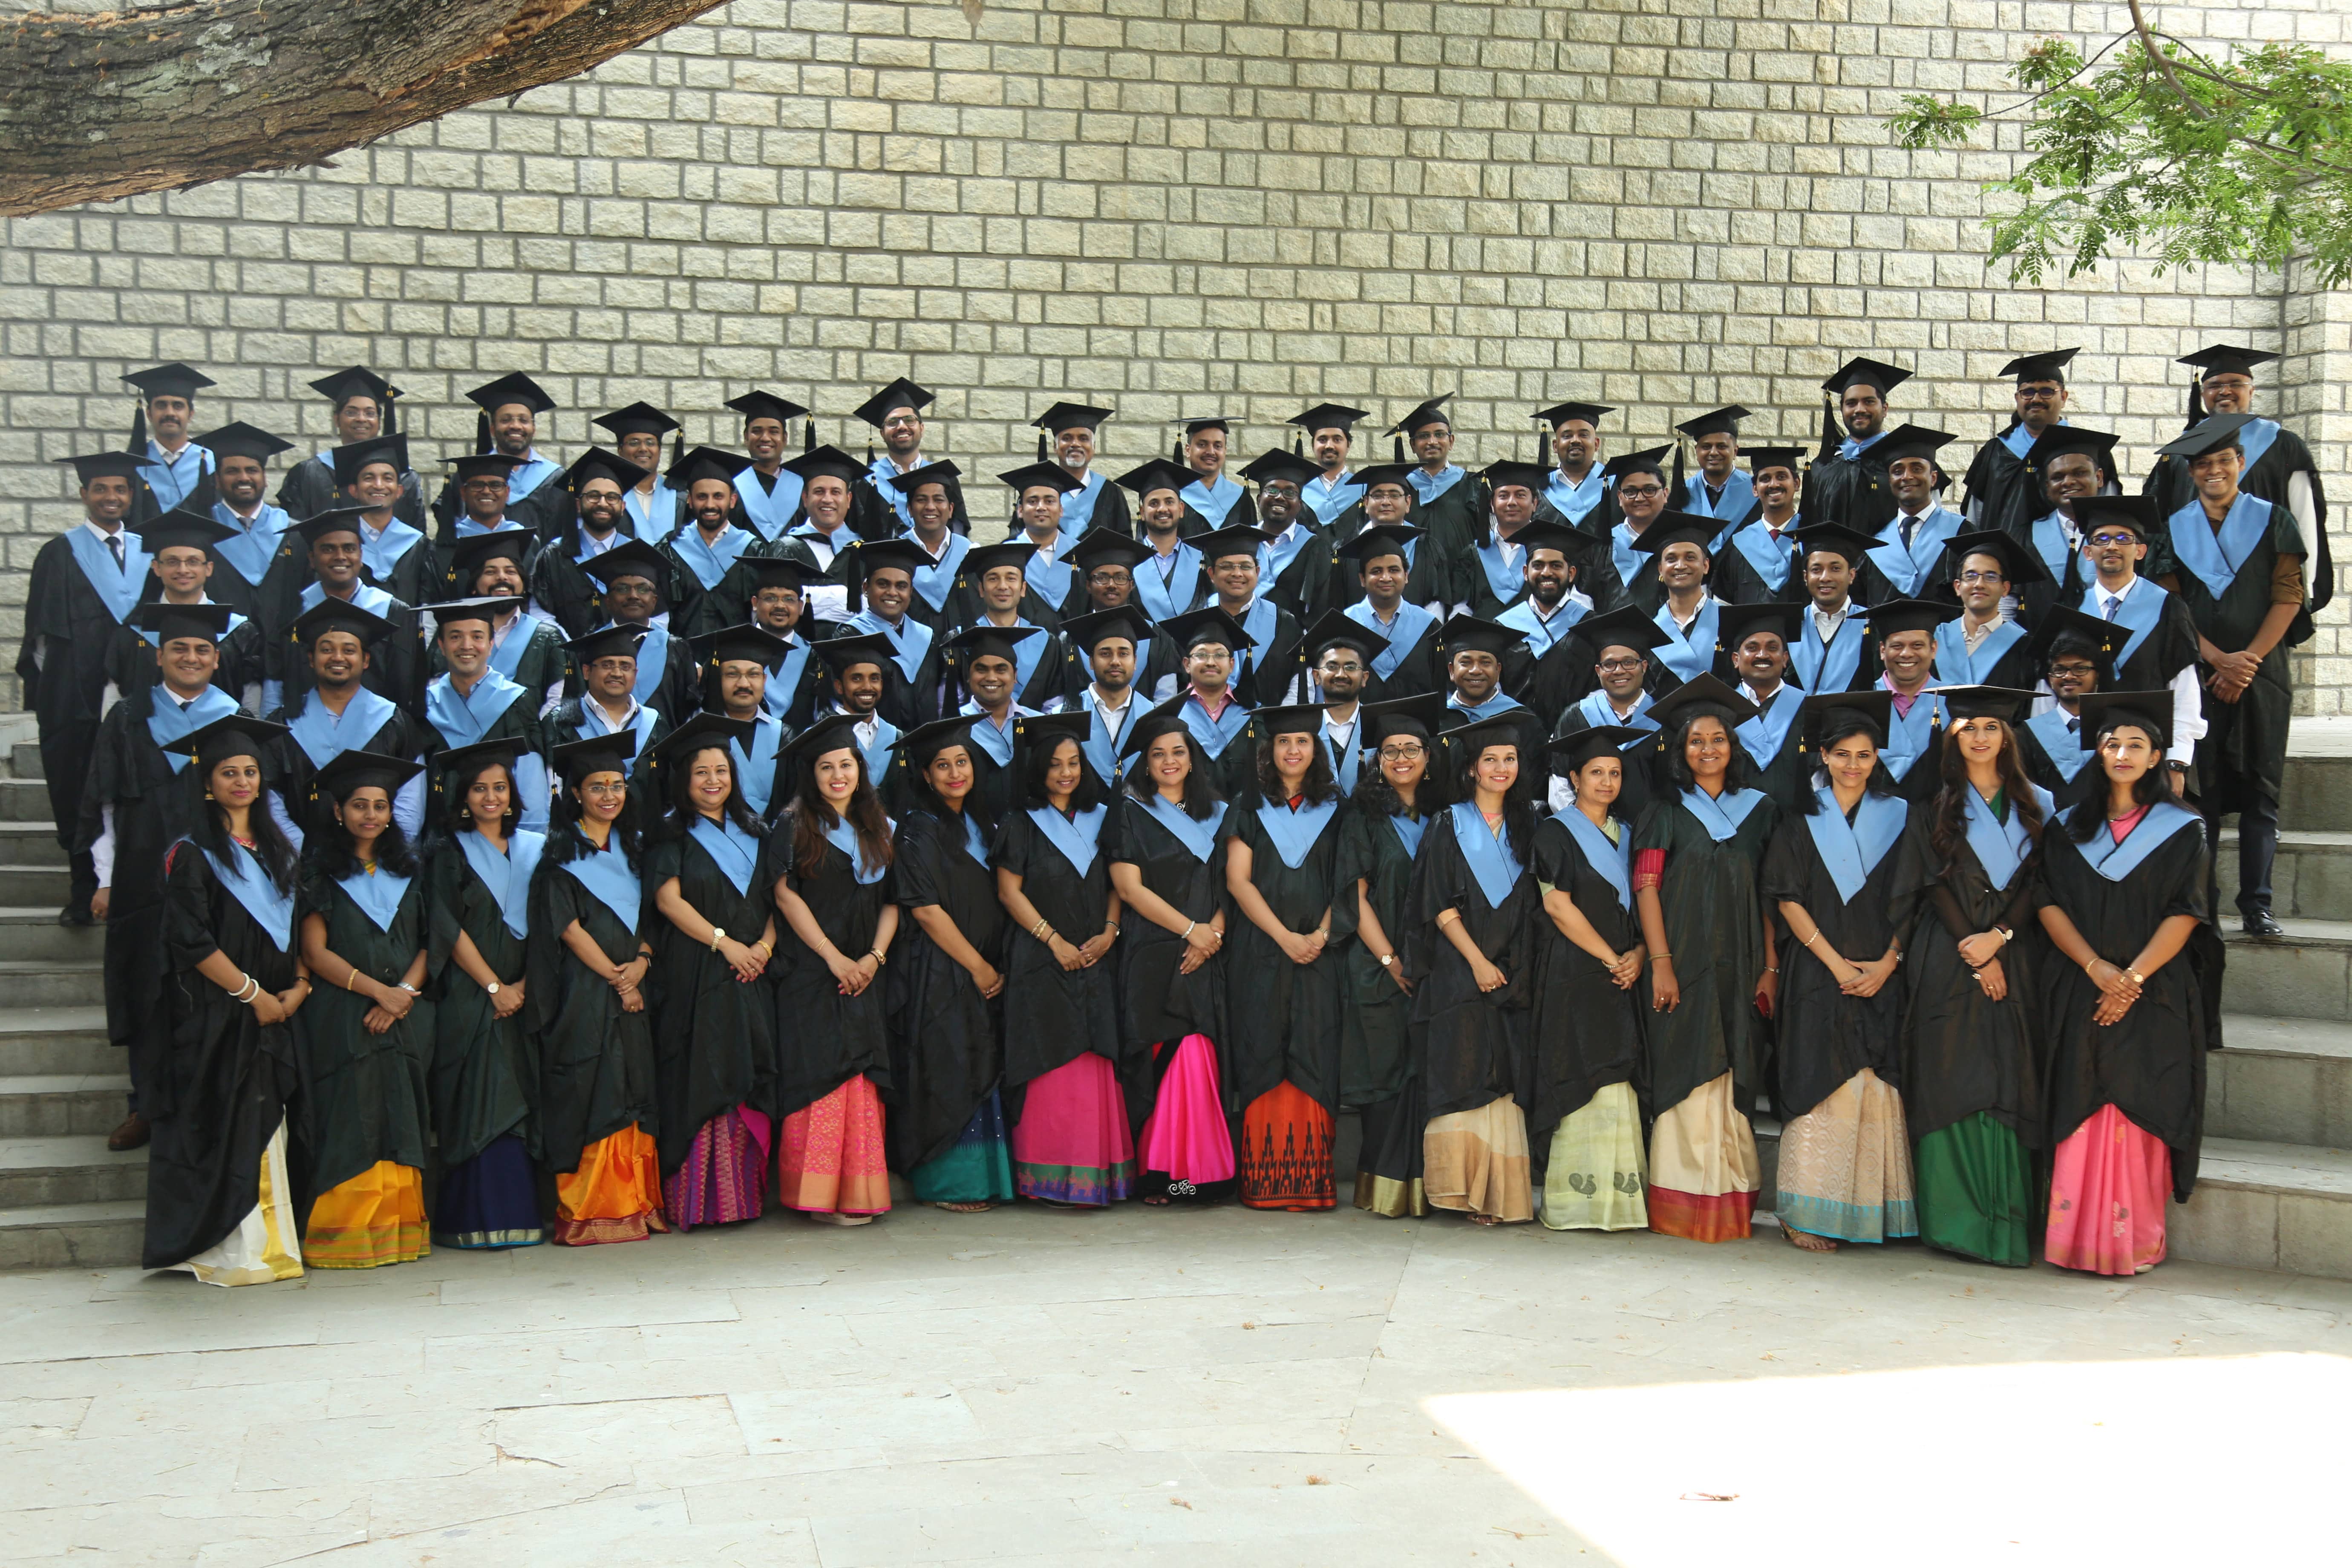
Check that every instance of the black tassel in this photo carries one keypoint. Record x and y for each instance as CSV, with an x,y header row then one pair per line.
x,y
2196,399
137,446
1043,452
1397,443
482,431
869,454
1832,437
1177,456
808,435
1678,493
1299,443
391,426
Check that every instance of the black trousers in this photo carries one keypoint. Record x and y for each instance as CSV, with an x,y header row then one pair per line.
x,y
2258,824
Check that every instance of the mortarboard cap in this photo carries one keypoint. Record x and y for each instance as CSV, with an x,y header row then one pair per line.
x,y
1504,729
1542,533
1100,546
2134,513
1200,422
987,640
238,440
2050,364
1278,463
1126,621
1560,413
1373,476
1050,729
179,527
2057,441
516,387
712,732
2225,359
1338,629
233,736
1470,634
1822,711
2209,434
354,381
1648,458
899,393
470,554
1329,416
629,558
591,754
1288,718
173,380
484,466
1234,539
333,520
485,609
746,643
469,761
758,405
1045,476
1378,539
1762,457
2100,710
1421,714
168,621
1072,416
1679,528
832,732
1735,623
706,463
91,466
1511,472
1428,412
1895,616
1698,696
918,747
1722,422
350,459
1207,625
1625,626
841,654
1154,474
821,461
637,419
1835,539
1913,441
608,642
1578,747
351,771
942,472
2062,622
868,556
982,559
596,463
2004,703
778,571
1871,373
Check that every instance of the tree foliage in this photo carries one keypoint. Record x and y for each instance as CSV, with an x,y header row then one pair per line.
x,y
2165,150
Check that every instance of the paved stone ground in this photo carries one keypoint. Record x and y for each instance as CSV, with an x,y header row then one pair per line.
x,y
1030,1387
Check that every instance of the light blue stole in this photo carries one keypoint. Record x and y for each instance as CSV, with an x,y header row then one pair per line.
x,y
653,662
1772,560
1215,735
1597,710
2116,861
711,563
1765,735
1212,502
1172,594
1347,761
1409,831
843,837
2062,746
1101,746
973,843
528,475
1832,666
1293,833
593,721
732,850
769,512
1428,487
1613,860
319,732
507,656
462,720
1850,449
1852,850
375,601
755,773
173,479
2049,542
1689,654
1328,501
1721,815
506,876
934,580
877,755
469,529
1501,702
1505,572
2256,436
381,553
1739,495
1197,835
986,734
654,515
1078,505
249,885
911,640
168,722
116,587
1404,634
1907,735
605,873
1543,635
1075,836
783,682
1275,556
2213,559
881,471
1493,862
1911,570
377,893
1049,580
2000,844
1626,558
1573,502
1955,666
255,545
2019,439
1259,620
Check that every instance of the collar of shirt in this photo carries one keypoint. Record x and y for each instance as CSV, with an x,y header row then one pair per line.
x,y
1109,711
1339,729
1827,622
105,535
914,460
1624,710
1901,512
1705,599
2107,598
1972,634
591,546
1761,699
514,617
1225,700
628,715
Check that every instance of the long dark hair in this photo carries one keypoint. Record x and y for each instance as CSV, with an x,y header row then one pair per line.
x,y
1518,801
1374,792
333,849
678,821
211,824
1200,793
457,819
927,799
1318,786
2088,815
1844,725
1085,797
564,842
1678,773
1948,825
813,814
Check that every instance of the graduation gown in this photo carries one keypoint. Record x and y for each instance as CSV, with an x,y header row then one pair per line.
x,y
484,1076
707,592
2275,456
1852,491
61,664
577,720
1051,1014
714,1037
1206,508
823,1039
1450,508
309,489
2242,756
1847,662
1472,1045
1710,896
2004,491
1752,568
1774,742
221,1084
878,513
1826,1037
1642,761
947,1041
1301,582
1157,1004
1376,1020
396,735
1587,1032
2002,658
1411,664
2070,574
1263,675
2049,745
515,718
364,1097
2163,640
595,1062
2150,1066
1290,1028
558,585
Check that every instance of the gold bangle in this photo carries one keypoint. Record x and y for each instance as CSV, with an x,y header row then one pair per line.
x,y
876,954
351,981
1660,957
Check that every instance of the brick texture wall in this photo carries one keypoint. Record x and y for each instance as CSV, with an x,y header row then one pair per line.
x,y
1168,206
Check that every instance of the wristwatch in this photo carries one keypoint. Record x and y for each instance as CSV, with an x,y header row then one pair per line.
x,y
494,987
1387,959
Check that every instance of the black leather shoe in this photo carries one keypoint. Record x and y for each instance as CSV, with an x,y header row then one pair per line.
x,y
76,915
2261,922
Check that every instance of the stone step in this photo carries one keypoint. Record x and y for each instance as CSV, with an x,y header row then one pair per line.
x,y
43,1172
30,844
73,1236
2305,974
24,759
34,887
2283,1081
2317,793
30,932
48,1042
2312,878
23,800
50,982
62,1105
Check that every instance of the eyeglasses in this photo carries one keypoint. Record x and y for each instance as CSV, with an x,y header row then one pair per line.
x,y
1641,490
1983,577
1401,753
2074,668
601,790
2114,538
1342,667
1621,666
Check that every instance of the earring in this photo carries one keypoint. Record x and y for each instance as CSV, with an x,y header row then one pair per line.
x,y
208,795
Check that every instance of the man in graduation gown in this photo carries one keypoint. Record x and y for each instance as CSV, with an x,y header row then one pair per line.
x,y
334,711
939,550
706,592
470,702
1983,647
506,427
1847,483
180,548
134,809
996,584
1720,491
1340,653
1576,491
2004,490
1904,630
735,662
829,481
1552,672
361,406
1408,661
654,510
2071,463
240,484
1068,433
1476,652
1332,490
482,490
85,583
883,571
1637,494
860,666
1491,574
2074,655
1170,580
796,678
766,494
1211,498
2154,647
2241,572
393,555
1615,648
1108,641
1295,561
1447,504
1675,546
1106,563
877,509
2279,469
984,662
1037,490
1212,642
1266,671
328,567
596,481
173,468
629,580
1755,639
607,661
525,646
1759,558
1908,559
1833,650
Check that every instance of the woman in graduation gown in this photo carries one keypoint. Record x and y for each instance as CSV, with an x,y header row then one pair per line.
x,y
1844,910
1475,904
367,1038
1071,1143
588,1005
829,862
1283,873
947,1128
219,1202
1385,825
715,1017
484,1078
1589,991
1169,871
1970,1077
2132,1012
1713,972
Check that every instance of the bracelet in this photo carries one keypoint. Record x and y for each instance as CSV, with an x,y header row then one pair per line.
x,y
2135,977
412,990
247,992
1044,930
1660,957
717,935
351,981
764,948
1812,938
876,954
1186,934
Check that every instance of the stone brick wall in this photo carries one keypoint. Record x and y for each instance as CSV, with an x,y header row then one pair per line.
x,y
1169,205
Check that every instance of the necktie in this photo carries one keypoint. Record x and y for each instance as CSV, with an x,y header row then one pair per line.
x,y
2113,600
1909,523
114,544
